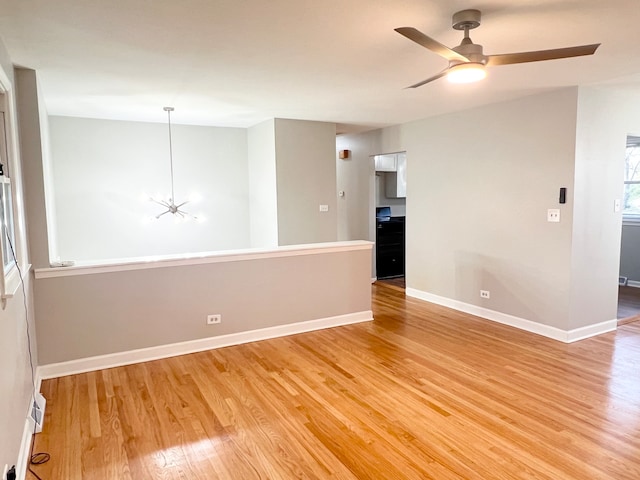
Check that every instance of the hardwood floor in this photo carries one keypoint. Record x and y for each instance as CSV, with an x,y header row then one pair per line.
x,y
629,303
422,392
398,283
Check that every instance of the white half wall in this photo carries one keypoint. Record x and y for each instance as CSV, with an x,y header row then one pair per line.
x,y
85,312
103,170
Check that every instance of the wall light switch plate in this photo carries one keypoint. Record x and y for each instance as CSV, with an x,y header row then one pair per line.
x,y
617,205
324,208
553,215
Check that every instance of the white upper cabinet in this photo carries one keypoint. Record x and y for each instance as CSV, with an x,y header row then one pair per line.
x,y
386,163
396,182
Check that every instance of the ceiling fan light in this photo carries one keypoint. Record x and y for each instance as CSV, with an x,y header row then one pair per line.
x,y
467,73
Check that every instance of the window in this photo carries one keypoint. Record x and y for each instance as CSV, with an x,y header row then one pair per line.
x,y
631,198
11,226
7,229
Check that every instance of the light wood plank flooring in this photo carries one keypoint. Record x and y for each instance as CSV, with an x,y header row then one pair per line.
x,y
422,392
629,303
398,283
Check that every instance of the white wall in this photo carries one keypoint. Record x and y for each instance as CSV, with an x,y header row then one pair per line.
x,y
15,373
102,167
306,178
263,198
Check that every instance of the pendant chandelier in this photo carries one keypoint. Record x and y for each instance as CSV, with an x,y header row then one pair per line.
x,y
170,204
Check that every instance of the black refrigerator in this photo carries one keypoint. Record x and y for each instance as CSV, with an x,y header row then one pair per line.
x,y
389,244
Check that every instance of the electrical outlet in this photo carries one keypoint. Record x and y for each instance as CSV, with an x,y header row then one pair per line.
x,y
324,208
485,294
553,215
214,319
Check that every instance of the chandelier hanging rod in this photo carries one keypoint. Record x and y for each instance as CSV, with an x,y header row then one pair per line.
x,y
170,204
169,110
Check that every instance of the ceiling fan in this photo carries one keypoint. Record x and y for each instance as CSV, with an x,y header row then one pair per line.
x,y
467,62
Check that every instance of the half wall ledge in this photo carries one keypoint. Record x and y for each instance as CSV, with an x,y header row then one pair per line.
x,y
164,261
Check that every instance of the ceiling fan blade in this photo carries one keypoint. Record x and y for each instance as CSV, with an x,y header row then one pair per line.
x,y
541,55
433,45
430,79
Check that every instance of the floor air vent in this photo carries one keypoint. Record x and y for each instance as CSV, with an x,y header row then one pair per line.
x,y
37,412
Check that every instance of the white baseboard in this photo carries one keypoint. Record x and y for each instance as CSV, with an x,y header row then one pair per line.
x,y
27,432
54,370
25,449
591,330
566,336
633,283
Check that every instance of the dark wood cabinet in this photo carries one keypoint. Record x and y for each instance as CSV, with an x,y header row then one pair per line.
x,y
390,247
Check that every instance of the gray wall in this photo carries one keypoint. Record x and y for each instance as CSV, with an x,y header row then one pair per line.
x,y
103,168
263,194
356,177
260,187
34,148
15,373
480,184
306,178
87,315
605,118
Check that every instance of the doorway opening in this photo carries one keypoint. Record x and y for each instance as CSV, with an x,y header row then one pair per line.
x,y
629,282
390,203
628,304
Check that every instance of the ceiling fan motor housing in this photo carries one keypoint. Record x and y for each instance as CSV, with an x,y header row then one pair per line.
x,y
471,50
466,19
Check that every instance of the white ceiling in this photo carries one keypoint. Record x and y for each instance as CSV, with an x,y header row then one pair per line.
x,y
239,62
